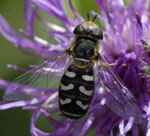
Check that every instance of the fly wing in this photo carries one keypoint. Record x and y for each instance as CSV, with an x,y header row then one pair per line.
x,y
118,98
37,81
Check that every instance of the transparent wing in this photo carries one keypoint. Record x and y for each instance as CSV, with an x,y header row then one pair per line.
x,y
118,97
45,77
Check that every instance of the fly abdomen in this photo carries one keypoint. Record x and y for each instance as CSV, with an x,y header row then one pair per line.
x,y
76,91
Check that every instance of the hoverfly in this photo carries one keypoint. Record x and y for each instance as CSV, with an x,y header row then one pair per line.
x,y
76,71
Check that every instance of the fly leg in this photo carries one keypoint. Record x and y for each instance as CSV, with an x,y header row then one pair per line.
x,y
104,64
97,57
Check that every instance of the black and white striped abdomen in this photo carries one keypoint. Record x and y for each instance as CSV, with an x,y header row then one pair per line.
x,y
76,91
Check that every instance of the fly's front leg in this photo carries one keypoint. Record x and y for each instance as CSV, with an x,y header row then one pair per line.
x,y
114,64
105,64
97,56
69,51
71,48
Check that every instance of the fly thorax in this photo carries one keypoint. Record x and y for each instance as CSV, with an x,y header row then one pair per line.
x,y
81,63
84,48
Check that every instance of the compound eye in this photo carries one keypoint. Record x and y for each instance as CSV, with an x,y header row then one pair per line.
x,y
78,29
98,33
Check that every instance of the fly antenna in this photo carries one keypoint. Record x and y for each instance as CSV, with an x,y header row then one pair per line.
x,y
88,16
94,18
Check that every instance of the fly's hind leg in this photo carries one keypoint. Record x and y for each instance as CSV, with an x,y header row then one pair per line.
x,y
102,84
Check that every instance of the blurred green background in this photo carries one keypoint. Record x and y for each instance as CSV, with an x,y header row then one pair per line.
x,y
16,122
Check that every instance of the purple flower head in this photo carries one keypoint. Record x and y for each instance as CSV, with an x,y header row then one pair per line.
x,y
126,28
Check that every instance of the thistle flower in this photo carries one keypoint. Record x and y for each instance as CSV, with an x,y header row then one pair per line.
x,y
125,27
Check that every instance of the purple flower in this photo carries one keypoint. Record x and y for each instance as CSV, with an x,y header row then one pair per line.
x,y
127,27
